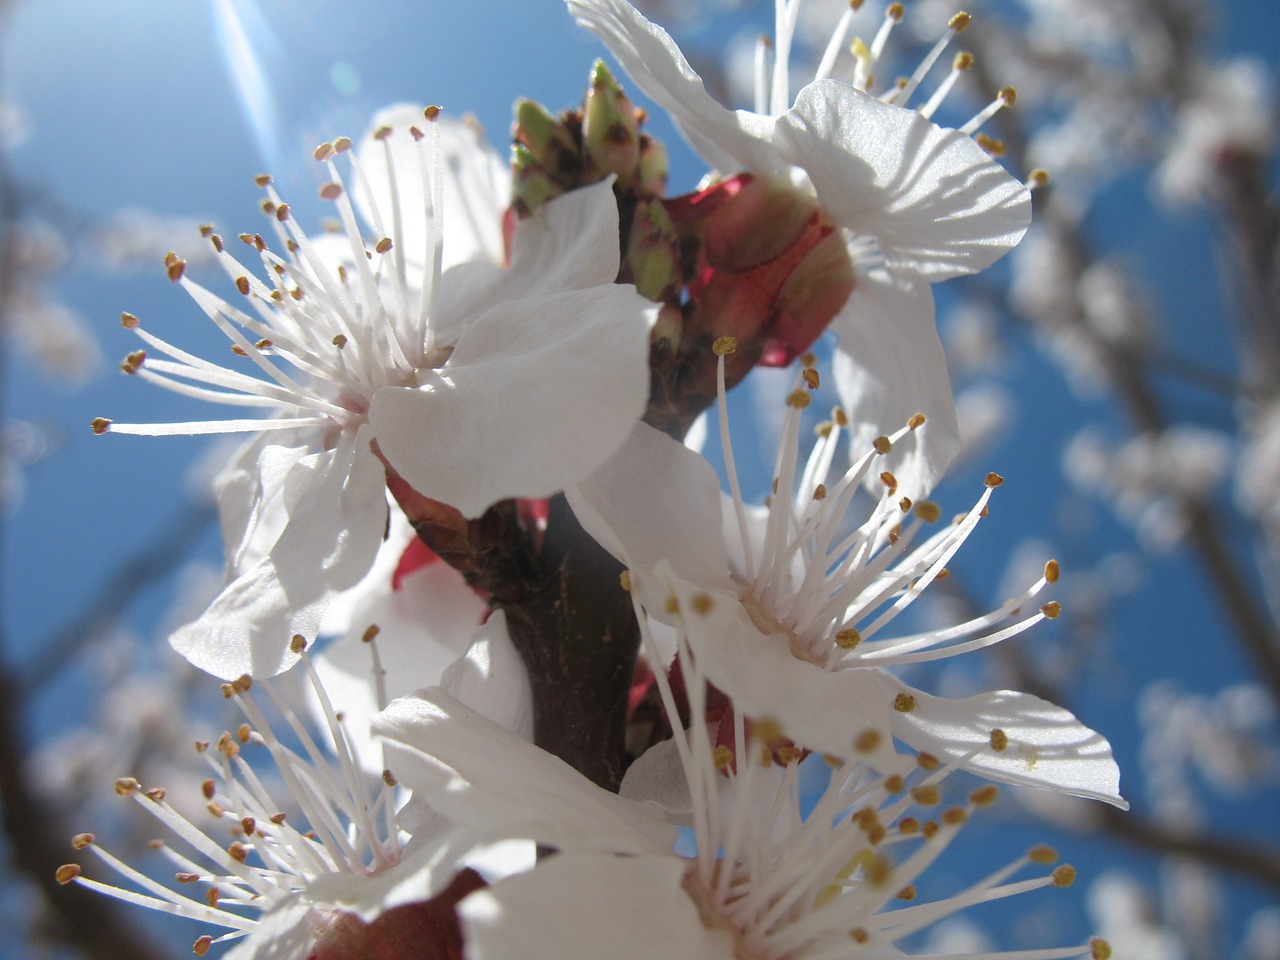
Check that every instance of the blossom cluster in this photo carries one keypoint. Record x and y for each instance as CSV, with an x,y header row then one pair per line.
x,y
604,706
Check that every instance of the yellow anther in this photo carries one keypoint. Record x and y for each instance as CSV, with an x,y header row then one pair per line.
x,y
342,144
262,179
248,825
389,778
927,795
382,133
928,511
1008,96
331,191
82,840
905,504
963,61
324,151
993,480
1099,949
908,826
127,786
186,877
133,361
867,741
416,133
767,730
999,741
799,399
954,816
859,934
882,444
1051,571
297,643
268,206
208,788
927,761
1043,854
895,783
895,12
370,632
916,421
811,379
624,579
672,605
277,818
242,284
889,480
820,492
202,945
383,245
339,340
217,242
848,638
282,212
702,603
1037,178
1052,609
928,829
155,794
128,321
432,112
244,732
238,851
907,893
67,872
723,346
984,796
175,268
722,757
994,147
840,417
879,871
904,703
1064,876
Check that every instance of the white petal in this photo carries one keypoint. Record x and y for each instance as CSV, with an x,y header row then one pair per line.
x,y
935,203
537,395
476,187
1048,746
417,877
423,627
819,709
487,778
569,906
570,243
491,678
890,366
250,491
283,933
656,500
728,140
657,776
328,544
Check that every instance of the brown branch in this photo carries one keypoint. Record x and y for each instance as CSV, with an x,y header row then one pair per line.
x,y
38,845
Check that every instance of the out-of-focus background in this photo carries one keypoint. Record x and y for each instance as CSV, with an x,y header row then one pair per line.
x,y
1121,370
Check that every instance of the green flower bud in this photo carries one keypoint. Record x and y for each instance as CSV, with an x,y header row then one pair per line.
x,y
610,130
653,253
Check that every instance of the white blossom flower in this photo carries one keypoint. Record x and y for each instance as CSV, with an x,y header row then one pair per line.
x,y
764,879
476,385
918,203
431,629
283,886
1229,114
785,607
